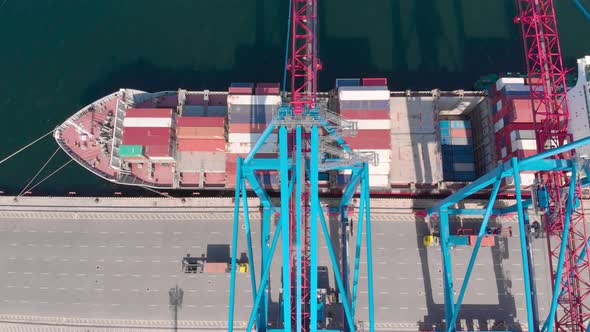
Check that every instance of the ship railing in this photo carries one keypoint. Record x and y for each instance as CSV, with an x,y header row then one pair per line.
x,y
134,180
117,135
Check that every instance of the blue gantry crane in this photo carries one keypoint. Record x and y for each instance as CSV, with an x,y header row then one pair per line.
x,y
303,154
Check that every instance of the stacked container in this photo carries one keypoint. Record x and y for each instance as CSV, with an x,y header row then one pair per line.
x,y
200,133
514,125
368,105
457,150
151,129
248,117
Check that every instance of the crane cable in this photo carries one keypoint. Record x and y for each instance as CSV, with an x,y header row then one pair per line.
x,y
582,8
50,175
287,50
26,146
39,172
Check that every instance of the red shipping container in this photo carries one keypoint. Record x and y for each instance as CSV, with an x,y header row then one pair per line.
x,y
199,121
148,112
486,241
370,139
157,150
269,85
505,131
366,114
200,132
247,127
374,81
211,267
215,177
460,132
201,145
146,136
239,90
267,91
189,178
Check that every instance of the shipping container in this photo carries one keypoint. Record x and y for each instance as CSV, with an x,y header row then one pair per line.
x,y
486,240
370,139
464,176
460,124
522,134
130,151
214,177
205,111
201,145
199,121
500,83
239,90
241,85
267,91
252,115
375,81
146,136
375,93
364,105
365,114
363,124
190,179
253,100
148,113
246,127
458,132
523,144
211,267
250,138
464,167
340,82
147,122
233,147
152,151
461,141
200,132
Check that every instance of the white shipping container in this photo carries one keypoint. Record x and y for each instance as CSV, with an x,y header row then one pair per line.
x,y
524,144
147,122
503,152
526,180
508,80
499,105
464,167
253,100
522,134
498,125
250,138
364,95
380,181
233,147
162,159
373,124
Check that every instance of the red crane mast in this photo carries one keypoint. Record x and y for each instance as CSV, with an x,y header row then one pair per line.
x,y
546,78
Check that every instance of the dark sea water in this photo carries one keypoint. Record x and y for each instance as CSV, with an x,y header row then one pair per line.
x,y
59,55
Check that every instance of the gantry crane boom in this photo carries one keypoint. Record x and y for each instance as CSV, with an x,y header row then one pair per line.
x,y
546,78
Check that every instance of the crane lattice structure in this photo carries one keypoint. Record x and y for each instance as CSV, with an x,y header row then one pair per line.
x,y
303,154
557,192
547,82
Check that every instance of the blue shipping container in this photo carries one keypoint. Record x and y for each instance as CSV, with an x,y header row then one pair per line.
x,y
444,124
197,110
460,124
323,176
445,132
463,158
462,149
445,140
242,85
348,82
464,176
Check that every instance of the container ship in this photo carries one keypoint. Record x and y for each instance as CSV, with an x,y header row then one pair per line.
x,y
424,141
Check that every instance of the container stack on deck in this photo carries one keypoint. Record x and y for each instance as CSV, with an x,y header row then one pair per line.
x,y
201,150
151,129
457,150
368,105
513,122
248,116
